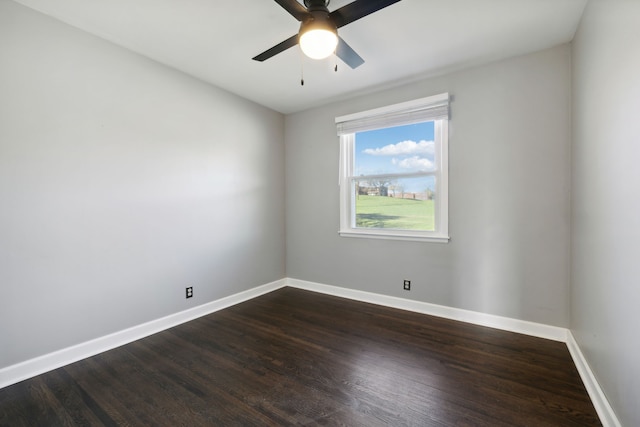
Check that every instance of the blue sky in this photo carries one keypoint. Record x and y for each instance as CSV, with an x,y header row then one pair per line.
x,y
399,149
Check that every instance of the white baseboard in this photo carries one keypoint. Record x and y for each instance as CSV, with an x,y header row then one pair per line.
x,y
598,398
504,323
39,365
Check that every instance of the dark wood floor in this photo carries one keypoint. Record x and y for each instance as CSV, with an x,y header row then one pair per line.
x,y
294,357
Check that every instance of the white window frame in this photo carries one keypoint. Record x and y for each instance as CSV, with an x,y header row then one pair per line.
x,y
433,108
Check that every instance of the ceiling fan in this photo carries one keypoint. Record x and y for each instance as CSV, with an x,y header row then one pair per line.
x,y
318,35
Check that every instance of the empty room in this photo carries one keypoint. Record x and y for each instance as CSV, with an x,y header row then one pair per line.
x,y
311,212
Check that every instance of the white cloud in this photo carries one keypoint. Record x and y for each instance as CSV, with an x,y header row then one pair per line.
x,y
403,148
415,162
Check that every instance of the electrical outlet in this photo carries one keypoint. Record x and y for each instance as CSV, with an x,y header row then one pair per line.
x,y
189,291
407,285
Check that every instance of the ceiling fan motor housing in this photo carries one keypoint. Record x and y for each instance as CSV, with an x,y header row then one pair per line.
x,y
317,21
318,18
312,5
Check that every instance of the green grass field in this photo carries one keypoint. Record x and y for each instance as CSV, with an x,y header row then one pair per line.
x,y
394,213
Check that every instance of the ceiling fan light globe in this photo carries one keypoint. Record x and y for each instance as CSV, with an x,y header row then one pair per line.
x,y
318,43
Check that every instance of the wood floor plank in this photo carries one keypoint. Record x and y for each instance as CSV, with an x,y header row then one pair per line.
x,y
295,357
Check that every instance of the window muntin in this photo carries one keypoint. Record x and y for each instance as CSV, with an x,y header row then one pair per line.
x,y
394,172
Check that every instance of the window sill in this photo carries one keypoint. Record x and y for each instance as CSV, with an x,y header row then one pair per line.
x,y
394,235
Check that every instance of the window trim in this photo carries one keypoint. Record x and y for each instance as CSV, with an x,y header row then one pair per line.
x,y
433,108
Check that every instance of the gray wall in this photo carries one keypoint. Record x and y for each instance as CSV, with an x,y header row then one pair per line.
x,y
121,183
510,138
605,273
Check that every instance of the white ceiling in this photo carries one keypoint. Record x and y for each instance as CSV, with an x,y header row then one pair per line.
x,y
214,40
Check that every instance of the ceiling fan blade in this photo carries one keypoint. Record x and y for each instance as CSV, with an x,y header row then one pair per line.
x,y
348,55
358,9
280,47
297,10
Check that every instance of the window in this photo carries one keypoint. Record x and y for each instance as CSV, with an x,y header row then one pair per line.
x,y
393,171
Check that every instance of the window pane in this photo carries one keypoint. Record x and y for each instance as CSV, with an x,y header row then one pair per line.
x,y
400,203
399,149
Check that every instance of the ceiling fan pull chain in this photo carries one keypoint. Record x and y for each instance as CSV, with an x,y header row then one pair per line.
x,y
335,57
301,69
